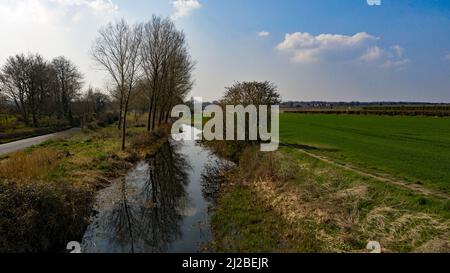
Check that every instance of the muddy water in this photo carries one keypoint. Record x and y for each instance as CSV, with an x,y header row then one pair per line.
x,y
160,206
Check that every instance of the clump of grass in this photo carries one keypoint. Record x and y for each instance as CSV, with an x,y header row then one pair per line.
x,y
255,166
228,149
37,164
143,139
446,205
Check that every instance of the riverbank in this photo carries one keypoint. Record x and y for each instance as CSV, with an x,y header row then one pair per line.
x,y
47,191
289,202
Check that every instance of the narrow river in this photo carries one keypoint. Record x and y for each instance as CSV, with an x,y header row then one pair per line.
x,y
160,206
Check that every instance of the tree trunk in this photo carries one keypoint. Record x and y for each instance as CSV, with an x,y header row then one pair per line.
x,y
35,120
167,117
120,113
150,109
124,126
154,114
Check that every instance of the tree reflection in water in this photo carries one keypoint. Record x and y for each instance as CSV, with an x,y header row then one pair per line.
x,y
213,177
147,216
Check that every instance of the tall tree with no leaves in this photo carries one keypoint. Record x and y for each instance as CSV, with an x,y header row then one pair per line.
x,y
27,81
68,84
116,50
167,67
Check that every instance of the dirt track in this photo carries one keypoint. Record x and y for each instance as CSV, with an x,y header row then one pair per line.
x,y
414,187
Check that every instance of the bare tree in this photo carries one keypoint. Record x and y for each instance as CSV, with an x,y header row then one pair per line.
x,y
27,81
68,83
167,67
251,93
116,50
13,81
254,93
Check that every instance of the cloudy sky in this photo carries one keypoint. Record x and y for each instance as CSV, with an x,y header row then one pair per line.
x,y
313,50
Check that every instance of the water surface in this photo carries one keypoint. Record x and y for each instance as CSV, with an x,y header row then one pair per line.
x,y
160,206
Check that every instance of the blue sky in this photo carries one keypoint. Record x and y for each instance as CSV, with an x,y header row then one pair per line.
x,y
312,49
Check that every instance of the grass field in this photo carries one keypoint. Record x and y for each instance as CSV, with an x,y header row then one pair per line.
x,y
414,149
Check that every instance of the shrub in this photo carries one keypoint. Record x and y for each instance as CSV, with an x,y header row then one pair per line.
x,y
107,118
45,215
145,139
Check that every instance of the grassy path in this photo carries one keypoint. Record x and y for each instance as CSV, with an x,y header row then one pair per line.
x,y
414,187
415,150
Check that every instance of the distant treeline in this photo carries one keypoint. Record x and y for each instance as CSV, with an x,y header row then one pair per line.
x,y
388,111
356,104
427,108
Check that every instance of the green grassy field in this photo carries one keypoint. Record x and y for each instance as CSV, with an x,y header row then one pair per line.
x,y
414,149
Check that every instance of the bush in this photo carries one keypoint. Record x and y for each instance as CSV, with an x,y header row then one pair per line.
x,y
92,126
45,215
145,139
107,118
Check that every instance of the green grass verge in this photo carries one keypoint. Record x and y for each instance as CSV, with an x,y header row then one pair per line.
x,y
243,223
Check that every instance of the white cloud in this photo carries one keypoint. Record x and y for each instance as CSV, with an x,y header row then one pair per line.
x,y
97,5
392,57
54,28
306,48
372,54
184,7
47,11
263,34
396,63
398,50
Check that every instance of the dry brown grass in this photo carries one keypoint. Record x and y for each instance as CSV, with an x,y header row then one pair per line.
x,y
30,166
254,165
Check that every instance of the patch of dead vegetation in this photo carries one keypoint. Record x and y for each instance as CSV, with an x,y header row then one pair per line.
x,y
412,231
38,164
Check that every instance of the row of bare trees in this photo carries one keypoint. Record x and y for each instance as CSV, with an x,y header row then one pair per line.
x,y
37,87
150,59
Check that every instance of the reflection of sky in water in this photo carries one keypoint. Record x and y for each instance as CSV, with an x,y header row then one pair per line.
x,y
158,207
188,133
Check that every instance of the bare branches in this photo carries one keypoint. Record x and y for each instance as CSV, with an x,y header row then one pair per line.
x,y
36,86
167,67
67,86
255,93
117,51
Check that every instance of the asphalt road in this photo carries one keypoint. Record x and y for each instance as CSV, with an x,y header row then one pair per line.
x,y
25,143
